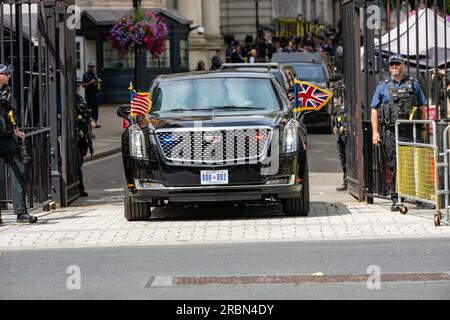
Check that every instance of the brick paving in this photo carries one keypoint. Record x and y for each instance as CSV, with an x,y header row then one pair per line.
x,y
105,225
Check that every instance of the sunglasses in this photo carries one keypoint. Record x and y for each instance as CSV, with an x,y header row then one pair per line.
x,y
391,64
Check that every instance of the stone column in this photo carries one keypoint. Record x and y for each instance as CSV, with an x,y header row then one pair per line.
x,y
191,9
205,13
211,22
211,17
328,10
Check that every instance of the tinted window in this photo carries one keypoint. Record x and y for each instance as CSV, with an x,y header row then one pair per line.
x,y
310,72
214,93
279,77
289,78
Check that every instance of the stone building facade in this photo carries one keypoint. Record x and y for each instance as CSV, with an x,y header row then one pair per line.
x,y
205,13
238,17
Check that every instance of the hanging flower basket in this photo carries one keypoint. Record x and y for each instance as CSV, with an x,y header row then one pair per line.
x,y
143,31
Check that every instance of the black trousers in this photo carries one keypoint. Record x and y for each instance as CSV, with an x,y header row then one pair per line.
x,y
391,157
341,153
92,101
388,139
82,151
10,153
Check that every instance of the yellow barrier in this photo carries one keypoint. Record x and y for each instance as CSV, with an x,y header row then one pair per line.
x,y
423,165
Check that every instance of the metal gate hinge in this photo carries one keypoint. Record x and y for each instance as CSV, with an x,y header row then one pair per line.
x,y
56,174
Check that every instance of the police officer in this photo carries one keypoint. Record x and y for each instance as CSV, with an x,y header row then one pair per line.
x,y
9,148
397,97
91,85
84,125
340,130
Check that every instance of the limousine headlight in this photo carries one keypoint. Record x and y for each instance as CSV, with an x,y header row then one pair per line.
x,y
290,140
137,143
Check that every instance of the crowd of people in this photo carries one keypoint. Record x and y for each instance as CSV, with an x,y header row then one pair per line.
x,y
262,50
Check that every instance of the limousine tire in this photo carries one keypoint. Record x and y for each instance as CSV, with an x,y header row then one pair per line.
x,y
136,211
299,206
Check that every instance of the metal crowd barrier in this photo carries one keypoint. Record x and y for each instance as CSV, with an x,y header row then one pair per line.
x,y
446,164
36,159
418,166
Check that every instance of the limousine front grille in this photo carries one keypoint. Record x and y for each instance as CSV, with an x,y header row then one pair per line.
x,y
214,145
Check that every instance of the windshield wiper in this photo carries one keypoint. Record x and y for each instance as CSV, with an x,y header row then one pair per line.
x,y
188,109
237,108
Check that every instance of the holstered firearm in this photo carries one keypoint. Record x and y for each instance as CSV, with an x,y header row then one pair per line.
x,y
23,151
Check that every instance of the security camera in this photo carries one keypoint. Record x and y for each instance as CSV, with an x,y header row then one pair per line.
x,y
200,31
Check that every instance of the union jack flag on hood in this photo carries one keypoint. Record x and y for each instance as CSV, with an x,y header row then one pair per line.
x,y
140,102
309,96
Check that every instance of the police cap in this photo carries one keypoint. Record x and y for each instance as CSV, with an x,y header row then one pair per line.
x,y
5,69
396,58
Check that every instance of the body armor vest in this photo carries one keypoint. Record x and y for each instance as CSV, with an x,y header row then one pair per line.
x,y
83,115
341,121
401,105
7,121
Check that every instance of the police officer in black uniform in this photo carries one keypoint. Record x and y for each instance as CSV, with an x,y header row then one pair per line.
x,y
84,128
340,130
91,85
9,148
397,97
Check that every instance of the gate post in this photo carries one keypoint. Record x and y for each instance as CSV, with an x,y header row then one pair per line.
x,y
18,63
369,88
353,96
50,23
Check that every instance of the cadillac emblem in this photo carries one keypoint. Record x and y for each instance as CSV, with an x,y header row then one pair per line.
x,y
213,138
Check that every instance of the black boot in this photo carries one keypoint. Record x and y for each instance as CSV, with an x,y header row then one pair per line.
x,y
343,187
425,206
1,221
26,218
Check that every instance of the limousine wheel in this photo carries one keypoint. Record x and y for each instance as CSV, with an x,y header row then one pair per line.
x,y
299,207
136,211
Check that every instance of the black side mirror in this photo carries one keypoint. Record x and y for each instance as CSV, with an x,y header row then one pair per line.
x,y
301,114
336,77
124,112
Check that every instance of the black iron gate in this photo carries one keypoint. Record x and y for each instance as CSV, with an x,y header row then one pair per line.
x,y
352,65
35,40
373,30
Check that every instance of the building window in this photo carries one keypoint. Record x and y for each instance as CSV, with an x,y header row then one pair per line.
x,y
184,53
163,61
111,58
78,54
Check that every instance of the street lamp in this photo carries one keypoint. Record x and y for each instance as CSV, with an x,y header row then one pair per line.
x,y
257,16
137,64
257,28
136,4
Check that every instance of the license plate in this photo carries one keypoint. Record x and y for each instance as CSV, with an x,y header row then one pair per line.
x,y
214,177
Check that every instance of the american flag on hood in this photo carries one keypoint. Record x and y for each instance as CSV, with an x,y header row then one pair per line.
x,y
140,102
309,96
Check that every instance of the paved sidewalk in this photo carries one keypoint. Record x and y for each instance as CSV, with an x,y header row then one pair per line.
x,y
105,226
108,137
